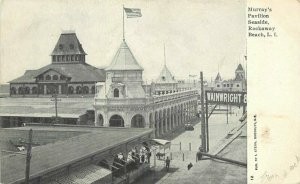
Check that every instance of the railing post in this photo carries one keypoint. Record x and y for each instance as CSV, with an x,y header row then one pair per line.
x,y
182,156
180,146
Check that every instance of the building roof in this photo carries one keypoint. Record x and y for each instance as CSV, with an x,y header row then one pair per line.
x,y
68,44
44,107
51,157
88,174
78,72
124,60
165,76
218,78
239,68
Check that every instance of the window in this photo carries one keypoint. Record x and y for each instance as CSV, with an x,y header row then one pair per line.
x,y
237,85
13,91
34,90
163,78
116,92
224,85
70,90
93,90
71,46
218,85
68,58
55,77
72,58
27,90
85,90
78,90
63,58
61,46
77,58
53,58
227,85
62,77
48,77
231,85
20,90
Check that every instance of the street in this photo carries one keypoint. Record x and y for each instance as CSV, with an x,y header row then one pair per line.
x,y
190,142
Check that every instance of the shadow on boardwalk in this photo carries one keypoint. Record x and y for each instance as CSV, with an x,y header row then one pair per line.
x,y
156,175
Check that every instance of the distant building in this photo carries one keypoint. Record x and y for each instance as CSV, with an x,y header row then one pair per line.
x,y
237,84
67,75
165,83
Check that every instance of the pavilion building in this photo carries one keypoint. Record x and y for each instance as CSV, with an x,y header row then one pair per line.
x,y
68,74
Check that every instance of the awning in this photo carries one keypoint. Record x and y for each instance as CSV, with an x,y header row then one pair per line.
x,y
162,143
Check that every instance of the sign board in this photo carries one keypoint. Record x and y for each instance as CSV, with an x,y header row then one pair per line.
x,y
226,97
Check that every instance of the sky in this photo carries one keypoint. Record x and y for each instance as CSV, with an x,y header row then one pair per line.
x,y
199,35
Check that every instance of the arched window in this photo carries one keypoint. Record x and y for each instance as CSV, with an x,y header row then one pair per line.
x,y
34,90
70,90
85,90
20,90
48,77
27,90
55,77
93,90
78,90
13,91
62,77
116,92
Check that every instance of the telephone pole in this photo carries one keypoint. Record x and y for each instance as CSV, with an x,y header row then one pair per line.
x,y
203,127
28,157
55,104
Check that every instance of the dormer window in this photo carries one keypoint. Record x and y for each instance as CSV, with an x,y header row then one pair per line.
x,y
116,93
60,46
48,77
62,77
71,46
163,78
55,77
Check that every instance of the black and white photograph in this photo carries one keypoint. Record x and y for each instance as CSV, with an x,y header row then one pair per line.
x,y
127,92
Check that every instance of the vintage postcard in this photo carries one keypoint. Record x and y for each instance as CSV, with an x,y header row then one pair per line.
x,y
149,92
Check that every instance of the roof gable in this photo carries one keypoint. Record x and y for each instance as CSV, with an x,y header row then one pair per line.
x,y
239,68
68,44
124,60
166,76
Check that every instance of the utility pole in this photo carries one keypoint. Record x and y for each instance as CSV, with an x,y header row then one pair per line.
x,y
28,157
203,127
55,104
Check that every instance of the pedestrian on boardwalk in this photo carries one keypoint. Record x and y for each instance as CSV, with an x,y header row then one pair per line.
x,y
168,163
190,166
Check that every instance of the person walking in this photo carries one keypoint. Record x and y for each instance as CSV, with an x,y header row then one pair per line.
x,y
168,163
190,166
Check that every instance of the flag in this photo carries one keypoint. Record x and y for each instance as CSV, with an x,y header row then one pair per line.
x,y
133,12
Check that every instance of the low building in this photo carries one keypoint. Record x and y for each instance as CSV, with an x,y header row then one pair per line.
x,y
72,154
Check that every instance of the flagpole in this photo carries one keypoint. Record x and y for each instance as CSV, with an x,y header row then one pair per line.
x,y
123,25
